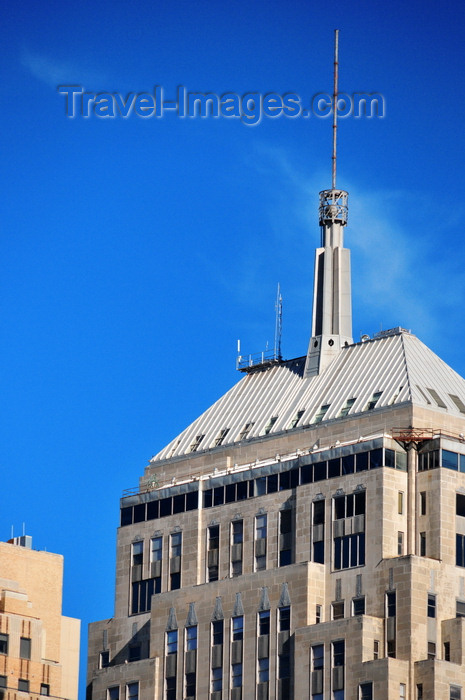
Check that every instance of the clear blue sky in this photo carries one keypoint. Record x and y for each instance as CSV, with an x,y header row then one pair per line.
x,y
134,253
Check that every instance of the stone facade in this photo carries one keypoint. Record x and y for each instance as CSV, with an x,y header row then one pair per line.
x,y
332,574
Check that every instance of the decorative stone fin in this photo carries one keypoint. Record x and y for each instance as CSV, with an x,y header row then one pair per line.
x,y
191,620
264,600
172,623
218,613
285,600
238,607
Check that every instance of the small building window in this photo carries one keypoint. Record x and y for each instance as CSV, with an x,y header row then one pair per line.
x,y
366,691
373,401
196,444
431,650
104,660
217,632
132,691
113,693
245,431
431,605
191,638
446,651
264,670
346,408
264,622
422,502
376,649
460,504
338,610
358,605
3,644
317,614
460,608
284,618
400,543
270,425
44,689
137,553
402,691
216,679
172,642
419,691
221,436
3,682
400,502
25,648
422,544
236,675
135,652
455,692
237,628
23,685
320,414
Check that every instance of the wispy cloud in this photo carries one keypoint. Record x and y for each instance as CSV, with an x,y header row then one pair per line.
x,y
54,72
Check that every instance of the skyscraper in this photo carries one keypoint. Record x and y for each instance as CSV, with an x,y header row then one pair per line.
x,y
305,536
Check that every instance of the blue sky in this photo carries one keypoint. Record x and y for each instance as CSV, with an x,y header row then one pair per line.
x,y
135,252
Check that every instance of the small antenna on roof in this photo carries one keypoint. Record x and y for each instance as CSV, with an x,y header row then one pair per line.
x,y
278,324
335,93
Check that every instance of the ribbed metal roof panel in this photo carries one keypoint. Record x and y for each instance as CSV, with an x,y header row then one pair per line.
x,y
399,366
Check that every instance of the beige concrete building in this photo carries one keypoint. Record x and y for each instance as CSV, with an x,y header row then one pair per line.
x,y
305,536
39,647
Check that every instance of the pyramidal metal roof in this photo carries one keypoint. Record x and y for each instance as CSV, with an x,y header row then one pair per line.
x,y
393,368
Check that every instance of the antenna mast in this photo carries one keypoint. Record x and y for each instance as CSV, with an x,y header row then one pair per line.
x,y
278,324
336,66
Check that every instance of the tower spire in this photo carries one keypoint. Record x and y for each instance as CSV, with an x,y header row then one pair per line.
x,y
332,297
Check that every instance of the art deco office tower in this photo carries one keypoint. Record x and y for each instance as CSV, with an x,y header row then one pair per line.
x,y
305,536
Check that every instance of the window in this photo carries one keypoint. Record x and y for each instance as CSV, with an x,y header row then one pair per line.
x,y
431,650
221,436
135,651
338,653
285,530
318,614
419,691
318,532
264,622
338,610
320,414
44,689
422,502
245,431
142,592
284,666
349,551
346,408
400,543
137,553
216,679
284,619
132,691
213,545
460,550
269,425
375,649
455,692
422,544
196,444
23,685
172,642
176,544
317,671
25,648
460,504
113,693
358,605
294,422
104,659
3,682
373,401
190,682
460,608
263,670
236,675
237,533
217,632
191,638
260,542
402,691
431,605
391,604
366,691
157,549
171,688
446,651
400,502
449,460
3,644
237,628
